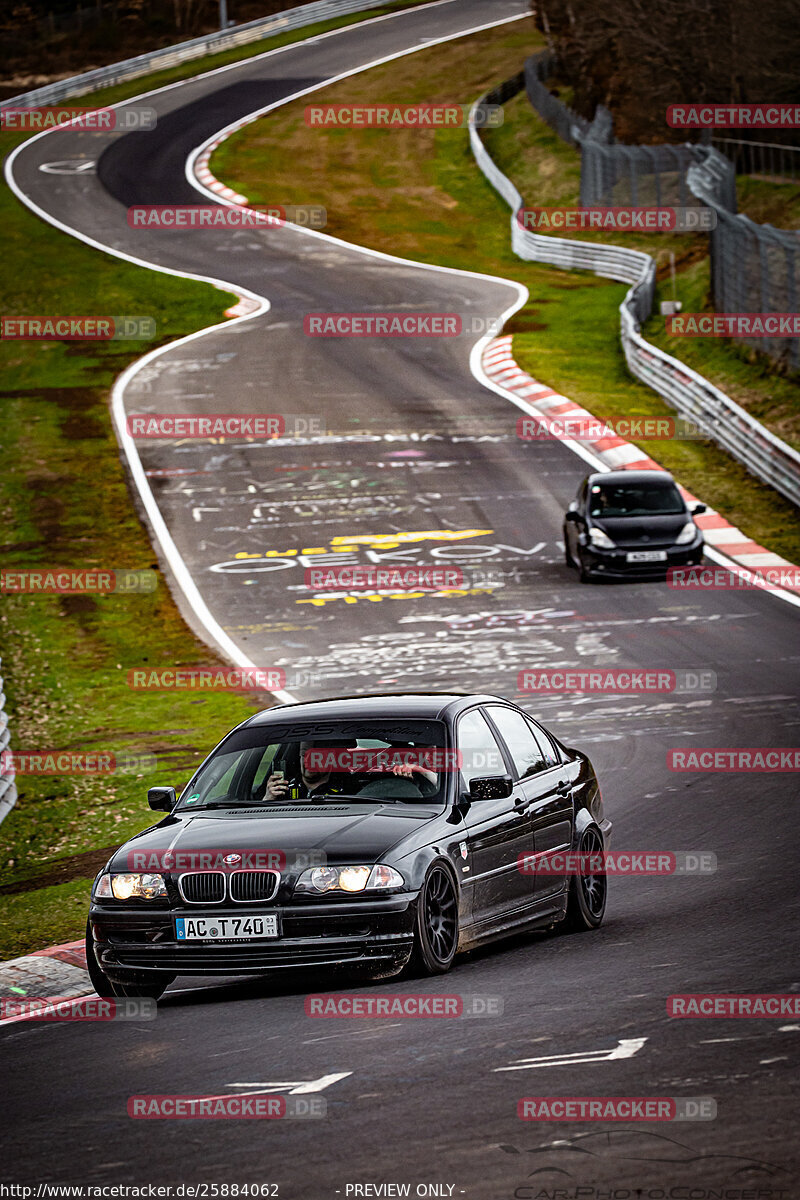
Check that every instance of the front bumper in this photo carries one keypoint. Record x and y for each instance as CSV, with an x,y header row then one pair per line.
x,y
346,933
614,564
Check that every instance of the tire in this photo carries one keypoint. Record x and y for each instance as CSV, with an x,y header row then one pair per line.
x,y
436,932
586,904
149,985
567,556
584,574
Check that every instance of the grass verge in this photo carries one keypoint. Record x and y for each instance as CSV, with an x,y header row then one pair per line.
x,y
419,194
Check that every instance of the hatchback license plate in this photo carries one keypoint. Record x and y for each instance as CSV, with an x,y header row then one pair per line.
x,y
646,556
225,929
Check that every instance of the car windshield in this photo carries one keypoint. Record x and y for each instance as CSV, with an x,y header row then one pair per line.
x,y
635,500
282,763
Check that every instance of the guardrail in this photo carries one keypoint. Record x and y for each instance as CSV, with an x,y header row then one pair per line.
x,y
772,159
720,418
754,268
8,788
171,56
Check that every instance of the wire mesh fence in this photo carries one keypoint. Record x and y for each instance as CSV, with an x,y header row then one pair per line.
x,y
754,268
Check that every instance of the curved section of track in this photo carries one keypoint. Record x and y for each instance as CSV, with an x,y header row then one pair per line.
x,y
420,462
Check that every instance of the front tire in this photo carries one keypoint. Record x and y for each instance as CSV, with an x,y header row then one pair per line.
x,y
584,574
137,985
436,933
586,904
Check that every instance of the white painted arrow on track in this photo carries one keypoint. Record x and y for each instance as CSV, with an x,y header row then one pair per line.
x,y
625,1048
299,1088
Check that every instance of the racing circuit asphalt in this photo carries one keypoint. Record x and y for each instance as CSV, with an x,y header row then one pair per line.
x,y
414,443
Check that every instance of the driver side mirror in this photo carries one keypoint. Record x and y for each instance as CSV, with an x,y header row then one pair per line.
x,y
161,799
572,516
697,509
491,787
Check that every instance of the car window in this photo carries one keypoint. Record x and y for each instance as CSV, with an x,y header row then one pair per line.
x,y
518,737
635,500
549,752
479,752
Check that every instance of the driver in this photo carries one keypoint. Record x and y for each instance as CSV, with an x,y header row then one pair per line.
x,y
312,782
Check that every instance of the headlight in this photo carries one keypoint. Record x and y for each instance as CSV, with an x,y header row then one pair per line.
x,y
348,879
686,534
134,887
598,538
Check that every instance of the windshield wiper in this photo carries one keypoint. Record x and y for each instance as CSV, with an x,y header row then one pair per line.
x,y
190,808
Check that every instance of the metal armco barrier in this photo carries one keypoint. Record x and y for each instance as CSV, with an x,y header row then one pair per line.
x,y
8,789
171,56
721,419
754,268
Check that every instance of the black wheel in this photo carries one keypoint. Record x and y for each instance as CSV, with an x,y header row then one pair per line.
x,y
567,556
584,574
135,985
436,935
586,905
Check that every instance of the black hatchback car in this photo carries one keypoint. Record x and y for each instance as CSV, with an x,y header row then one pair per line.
x,y
369,833
630,523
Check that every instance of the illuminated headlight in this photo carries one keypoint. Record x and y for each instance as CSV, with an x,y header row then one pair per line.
x,y
348,879
686,534
130,887
598,538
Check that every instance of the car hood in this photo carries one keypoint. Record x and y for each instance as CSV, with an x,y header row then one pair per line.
x,y
340,831
642,531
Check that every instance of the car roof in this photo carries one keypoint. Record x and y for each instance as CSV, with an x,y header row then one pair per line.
x,y
630,477
430,705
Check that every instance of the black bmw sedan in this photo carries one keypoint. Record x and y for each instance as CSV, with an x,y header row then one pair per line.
x,y
373,833
630,523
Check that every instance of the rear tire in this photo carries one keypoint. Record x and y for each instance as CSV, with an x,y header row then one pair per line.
x,y
436,932
152,986
586,904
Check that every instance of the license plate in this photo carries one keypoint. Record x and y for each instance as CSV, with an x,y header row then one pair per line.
x,y
226,929
646,556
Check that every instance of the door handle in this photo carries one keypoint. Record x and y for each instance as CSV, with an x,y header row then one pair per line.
x,y
520,801
563,788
